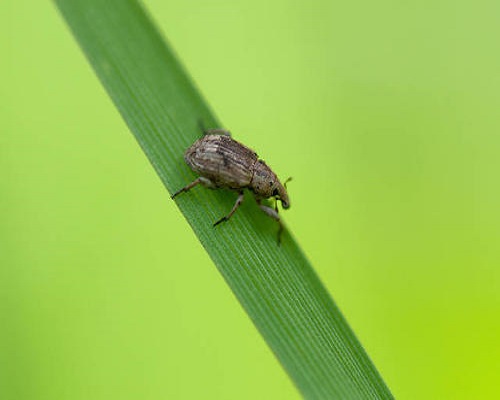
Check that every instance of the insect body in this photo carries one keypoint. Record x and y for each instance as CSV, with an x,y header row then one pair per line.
x,y
222,162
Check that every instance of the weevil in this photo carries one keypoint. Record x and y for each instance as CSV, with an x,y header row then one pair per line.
x,y
222,162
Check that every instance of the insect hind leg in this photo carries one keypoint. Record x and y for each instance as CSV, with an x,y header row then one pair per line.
x,y
212,131
217,131
201,180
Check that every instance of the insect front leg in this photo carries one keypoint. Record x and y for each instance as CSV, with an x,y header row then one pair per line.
x,y
273,213
201,180
238,202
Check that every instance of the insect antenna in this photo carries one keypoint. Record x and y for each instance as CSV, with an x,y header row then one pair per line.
x,y
288,180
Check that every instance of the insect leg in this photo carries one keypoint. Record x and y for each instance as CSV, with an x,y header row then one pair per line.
x,y
273,213
212,131
238,202
201,180
217,131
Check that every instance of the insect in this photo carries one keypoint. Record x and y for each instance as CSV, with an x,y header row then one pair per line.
x,y
222,162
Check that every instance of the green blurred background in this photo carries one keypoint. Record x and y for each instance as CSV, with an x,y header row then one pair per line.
x,y
385,113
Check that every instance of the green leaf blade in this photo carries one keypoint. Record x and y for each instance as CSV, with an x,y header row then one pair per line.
x,y
276,285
